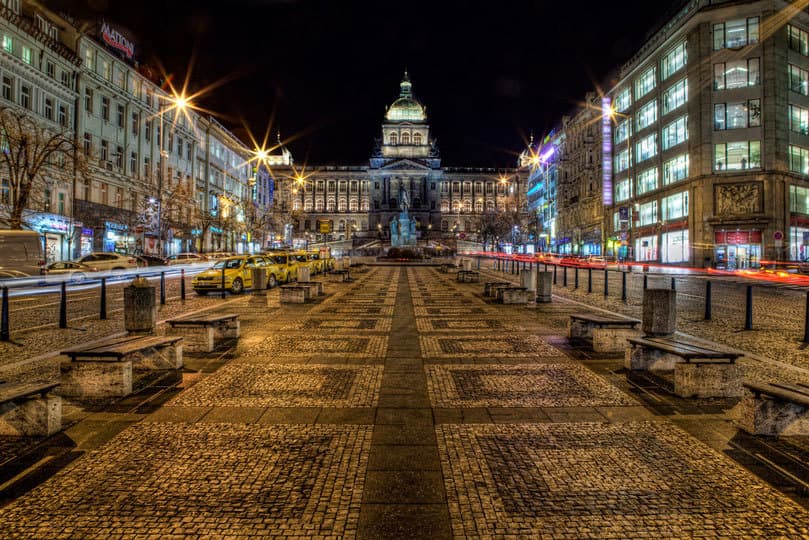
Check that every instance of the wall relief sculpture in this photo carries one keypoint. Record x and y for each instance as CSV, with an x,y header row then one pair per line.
x,y
738,199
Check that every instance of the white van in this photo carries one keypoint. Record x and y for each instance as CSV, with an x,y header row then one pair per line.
x,y
21,253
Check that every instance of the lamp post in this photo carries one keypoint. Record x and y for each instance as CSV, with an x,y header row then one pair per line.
x,y
179,103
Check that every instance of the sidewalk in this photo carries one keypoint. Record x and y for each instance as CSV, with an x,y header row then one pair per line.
x,y
405,406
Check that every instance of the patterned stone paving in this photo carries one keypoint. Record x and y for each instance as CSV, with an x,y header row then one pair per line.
x,y
481,346
340,325
532,385
277,385
451,311
155,480
279,346
425,325
631,480
355,310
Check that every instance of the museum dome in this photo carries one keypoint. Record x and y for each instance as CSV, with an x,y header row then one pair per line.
x,y
406,108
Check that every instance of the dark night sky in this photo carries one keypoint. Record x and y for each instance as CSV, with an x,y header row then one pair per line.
x,y
489,72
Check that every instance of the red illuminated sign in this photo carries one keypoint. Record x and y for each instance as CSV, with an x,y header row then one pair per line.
x,y
116,40
736,238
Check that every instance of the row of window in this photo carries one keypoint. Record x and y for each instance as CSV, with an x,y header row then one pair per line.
x,y
674,170
674,133
27,55
394,139
672,62
24,95
672,207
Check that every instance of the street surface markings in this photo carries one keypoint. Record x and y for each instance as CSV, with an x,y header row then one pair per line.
x,y
529,385
587,480
346,347
278,385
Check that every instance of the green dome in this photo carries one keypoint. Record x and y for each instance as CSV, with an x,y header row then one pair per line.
x,y
405,109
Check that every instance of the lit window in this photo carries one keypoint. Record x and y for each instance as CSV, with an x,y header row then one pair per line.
x,y
674,60
675,96
622,131
799,80
646,181
736,33
737,156
675,133
646,115
623,100
798,40
8,44
27,57
675,206
737,115
622,190
799,119
737,74
798,159
646,148
645,83
675,169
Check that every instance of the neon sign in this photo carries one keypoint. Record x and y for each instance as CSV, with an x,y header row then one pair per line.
x,y
606,149
116,40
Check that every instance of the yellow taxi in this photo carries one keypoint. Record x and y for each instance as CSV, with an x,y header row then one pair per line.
x,y
237,272
281,267
316,263
305,260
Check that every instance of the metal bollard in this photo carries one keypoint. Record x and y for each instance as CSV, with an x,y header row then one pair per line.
x,y
606,282
645,282
554,274
708,301
478,263
182,282
623,287
576,278
673,284
103,307
223,281
589,280
4,332
162,288
564,276
748,312
63,307
805,320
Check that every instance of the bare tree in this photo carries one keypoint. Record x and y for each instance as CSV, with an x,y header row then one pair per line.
x,y
34,158
494,227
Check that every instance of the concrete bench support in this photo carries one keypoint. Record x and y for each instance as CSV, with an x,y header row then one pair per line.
x,y
490,288
206,333
774,410
608,333
707,379
29,410
612,340
514,295
315,287
100,379
293,294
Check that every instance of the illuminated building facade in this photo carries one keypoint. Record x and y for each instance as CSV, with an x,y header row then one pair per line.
x,y
357,202
711,138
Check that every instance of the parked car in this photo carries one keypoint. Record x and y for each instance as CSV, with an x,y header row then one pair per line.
x,y
152,260
21,253
238,275
281,268
596,261
219,255
104,260
186,258
75,271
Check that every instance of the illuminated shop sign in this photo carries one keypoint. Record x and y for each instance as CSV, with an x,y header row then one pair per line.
x,y
116,40
606,149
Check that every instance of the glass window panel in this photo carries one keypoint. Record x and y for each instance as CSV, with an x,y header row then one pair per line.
x,y
675,96
647,181
719,116
647,115
675,169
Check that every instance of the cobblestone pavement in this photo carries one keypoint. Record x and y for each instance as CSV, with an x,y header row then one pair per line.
x,y
405,405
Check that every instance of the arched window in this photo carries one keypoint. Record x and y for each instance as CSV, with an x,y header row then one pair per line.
x,y
393,139
405,138
490,206
417,138
352,205
445,206
478,206
467,206
341,205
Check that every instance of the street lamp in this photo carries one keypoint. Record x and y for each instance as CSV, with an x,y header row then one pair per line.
x,y
180,103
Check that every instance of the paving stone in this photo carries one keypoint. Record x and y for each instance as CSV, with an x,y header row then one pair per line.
x,y
287,480
404,487
403,458
603,480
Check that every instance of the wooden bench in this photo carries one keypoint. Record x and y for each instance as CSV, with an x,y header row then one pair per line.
x,y
468,276
203,333
104,369
513,295
490,288
608,333
29,409
698,371
775,409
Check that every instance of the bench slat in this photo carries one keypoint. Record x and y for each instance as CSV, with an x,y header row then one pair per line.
x,y
777,392
603,319
685,350
210,319
10,392
121,347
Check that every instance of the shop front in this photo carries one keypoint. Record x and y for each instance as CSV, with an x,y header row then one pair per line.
x,y
85,241
734,250
57,230
799,239
675,245
591,242
118,238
